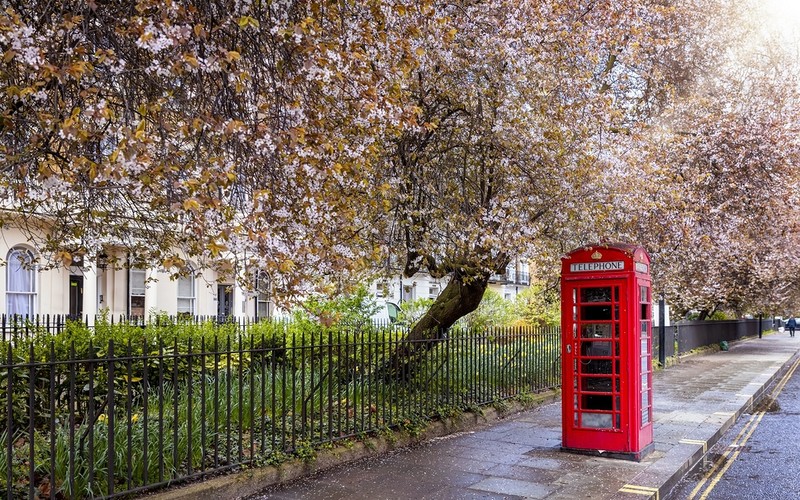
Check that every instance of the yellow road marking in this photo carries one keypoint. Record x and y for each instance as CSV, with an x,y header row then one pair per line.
x,y
717,463
718,470
639,490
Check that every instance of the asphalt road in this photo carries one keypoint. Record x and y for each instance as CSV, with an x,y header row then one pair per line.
x,y
759,457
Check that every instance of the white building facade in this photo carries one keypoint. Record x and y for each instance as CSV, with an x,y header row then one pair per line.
x,y
86,289
394,291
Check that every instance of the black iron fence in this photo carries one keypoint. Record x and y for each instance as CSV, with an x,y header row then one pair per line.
x,y
685,336
117,409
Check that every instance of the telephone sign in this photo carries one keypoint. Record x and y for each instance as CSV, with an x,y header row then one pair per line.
x,y
617,265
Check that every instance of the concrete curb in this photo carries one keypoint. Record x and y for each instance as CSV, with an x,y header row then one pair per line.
x,y
252,481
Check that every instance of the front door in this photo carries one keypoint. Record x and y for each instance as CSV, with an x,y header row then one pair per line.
x,y
75,296
224,302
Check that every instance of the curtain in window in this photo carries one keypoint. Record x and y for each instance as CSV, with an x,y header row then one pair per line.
x,y
136,290
262,296
20,283
137,284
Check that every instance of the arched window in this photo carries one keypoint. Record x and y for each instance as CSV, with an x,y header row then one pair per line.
x,y
186,293
20,283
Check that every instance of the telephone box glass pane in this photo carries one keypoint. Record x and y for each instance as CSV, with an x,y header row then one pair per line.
x,y
594,313
596,384
596,330
596,294
596,402
597,420
595,349
596,367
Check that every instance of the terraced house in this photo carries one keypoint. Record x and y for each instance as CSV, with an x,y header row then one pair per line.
x,y
113,282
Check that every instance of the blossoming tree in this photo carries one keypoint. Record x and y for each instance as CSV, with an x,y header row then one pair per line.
x,y
317,140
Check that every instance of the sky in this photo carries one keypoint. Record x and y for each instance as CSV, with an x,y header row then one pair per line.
x,y
783,16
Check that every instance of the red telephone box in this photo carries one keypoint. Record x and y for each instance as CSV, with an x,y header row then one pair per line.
x,y
607,405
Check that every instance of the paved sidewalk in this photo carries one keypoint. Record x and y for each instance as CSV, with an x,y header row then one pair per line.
x,y
695,402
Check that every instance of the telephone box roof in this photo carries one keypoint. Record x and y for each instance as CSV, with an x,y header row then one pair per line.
x,y
628,249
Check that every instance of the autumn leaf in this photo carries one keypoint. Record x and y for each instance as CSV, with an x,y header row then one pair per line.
x,y
247,21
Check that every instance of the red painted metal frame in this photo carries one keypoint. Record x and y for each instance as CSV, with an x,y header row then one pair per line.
x,y
608,412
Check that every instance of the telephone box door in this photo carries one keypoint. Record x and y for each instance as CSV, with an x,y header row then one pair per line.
x,y
593,353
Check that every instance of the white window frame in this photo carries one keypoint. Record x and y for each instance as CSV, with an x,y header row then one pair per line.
x,y
263,296
21,290
136,291
189,283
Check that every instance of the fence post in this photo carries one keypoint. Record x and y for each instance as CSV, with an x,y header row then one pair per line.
x,y
662,331
110,420
9,420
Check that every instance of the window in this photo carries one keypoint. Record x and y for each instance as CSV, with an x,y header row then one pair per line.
x,y
262,296
433,291
409,291
20,283
136,286
186,293
382,288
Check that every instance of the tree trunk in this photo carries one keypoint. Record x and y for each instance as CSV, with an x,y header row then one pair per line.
x,y
461,296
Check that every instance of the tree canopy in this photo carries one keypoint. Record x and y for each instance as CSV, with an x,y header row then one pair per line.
x,y
325,139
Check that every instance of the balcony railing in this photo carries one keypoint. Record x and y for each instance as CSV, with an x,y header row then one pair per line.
x,y
511,277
